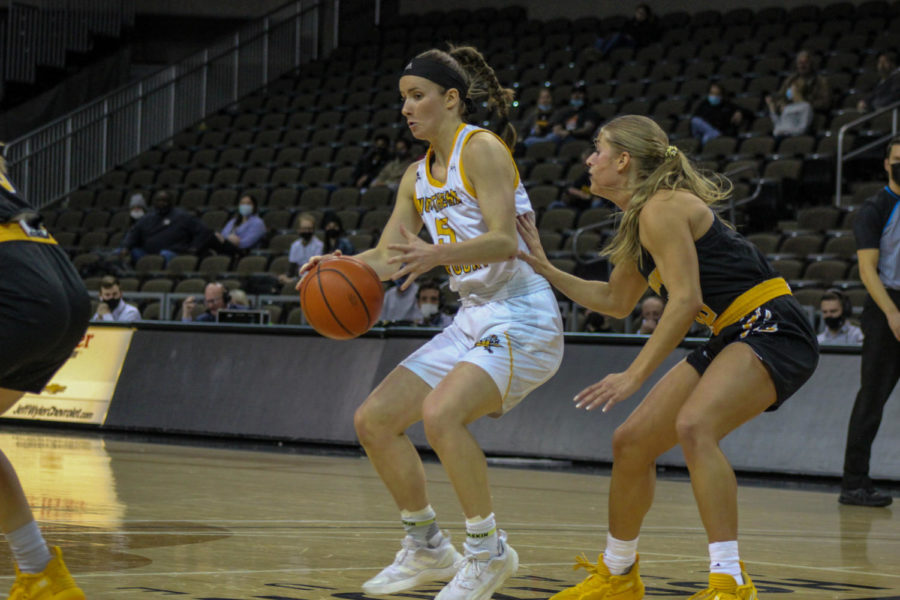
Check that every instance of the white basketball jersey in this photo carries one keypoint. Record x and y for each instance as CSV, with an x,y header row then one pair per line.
x,y
451,213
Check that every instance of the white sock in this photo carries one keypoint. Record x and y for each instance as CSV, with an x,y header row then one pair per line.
x,y
29,548
482,533
421,525
619,554
724,558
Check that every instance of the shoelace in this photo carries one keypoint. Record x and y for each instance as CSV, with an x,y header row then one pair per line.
x,y
582,562
470,567
406,546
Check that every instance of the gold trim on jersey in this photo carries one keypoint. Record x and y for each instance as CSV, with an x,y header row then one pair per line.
x,y
15,232
509,382
430,152
750,301
462,170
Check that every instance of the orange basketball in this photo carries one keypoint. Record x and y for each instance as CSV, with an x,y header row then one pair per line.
x,y
341,297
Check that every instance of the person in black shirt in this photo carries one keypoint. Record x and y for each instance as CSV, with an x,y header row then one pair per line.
x,y
877,231
167,231
371,163
576,121
716,115
762,350
44,312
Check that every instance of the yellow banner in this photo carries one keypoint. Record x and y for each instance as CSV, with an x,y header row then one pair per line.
x,y
82,389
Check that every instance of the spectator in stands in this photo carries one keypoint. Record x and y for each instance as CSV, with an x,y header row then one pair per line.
x,y
535,125
793,118
576,121
372,161
887,90
215,297
642,29
137,207
577,195
716,115
651,311
111,306
401,306
304,248
877,232
335,238
595,322
167,231
243,231
394,169
838,329
238,299
813,85
428,302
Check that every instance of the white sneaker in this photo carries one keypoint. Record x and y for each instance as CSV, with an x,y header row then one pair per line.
x,y
480,574
414,565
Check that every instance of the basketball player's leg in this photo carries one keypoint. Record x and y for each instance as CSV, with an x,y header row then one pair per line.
x,y
14,510
647,433
735,388
465,395
381,422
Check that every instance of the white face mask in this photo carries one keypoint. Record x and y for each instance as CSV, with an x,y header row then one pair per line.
x,y
137,214
428,309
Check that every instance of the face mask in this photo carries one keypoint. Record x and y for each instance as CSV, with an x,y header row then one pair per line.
x,y
428,309
833,323
714,100
895,173
789,93
137,214
113,303
245,209
306,235
331,233
545,107
576,103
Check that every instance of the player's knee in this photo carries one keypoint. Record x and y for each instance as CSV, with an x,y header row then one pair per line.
x,y
626,442
691,432
437,422
367,424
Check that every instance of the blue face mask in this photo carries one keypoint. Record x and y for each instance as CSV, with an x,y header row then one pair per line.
x,y
545,107
576,103
245,209
714,100
789,93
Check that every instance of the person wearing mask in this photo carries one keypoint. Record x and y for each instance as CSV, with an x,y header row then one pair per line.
x,y
215,297
716,115
335,238
428,301
111,306
304,248
400,305
651,311
535,125
242,232
576,121
793,118
887,90
877,232
814,86
392,172
371,163
835,308
167,231
137,208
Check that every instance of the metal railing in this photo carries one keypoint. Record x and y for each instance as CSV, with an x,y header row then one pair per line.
x,y
841,157
54,160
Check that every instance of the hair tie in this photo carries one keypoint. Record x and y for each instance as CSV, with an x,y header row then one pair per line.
x,y
671,151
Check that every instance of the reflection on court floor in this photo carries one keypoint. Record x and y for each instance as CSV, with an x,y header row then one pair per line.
x,y
144,521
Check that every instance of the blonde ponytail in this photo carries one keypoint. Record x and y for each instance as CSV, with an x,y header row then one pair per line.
x,y
655,166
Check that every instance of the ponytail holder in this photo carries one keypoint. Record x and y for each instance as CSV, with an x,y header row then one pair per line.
x,y
671,151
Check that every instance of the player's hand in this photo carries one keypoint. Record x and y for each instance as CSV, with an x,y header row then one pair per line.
x,y
607,392
894,323
416,255
312,262
536,257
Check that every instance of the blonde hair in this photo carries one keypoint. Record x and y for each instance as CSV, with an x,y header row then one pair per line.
x,y
2,165
482,84
655,165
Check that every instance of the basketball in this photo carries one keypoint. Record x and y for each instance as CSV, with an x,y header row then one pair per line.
x,y
341,297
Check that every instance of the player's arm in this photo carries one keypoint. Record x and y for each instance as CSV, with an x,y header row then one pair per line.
x,y
404,217
615,298
868,272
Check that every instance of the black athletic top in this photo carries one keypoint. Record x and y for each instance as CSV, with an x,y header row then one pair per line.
x,y
729,266
11,204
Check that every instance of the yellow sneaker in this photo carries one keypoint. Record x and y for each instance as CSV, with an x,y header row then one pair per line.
x,y
600,584
724,587
53,583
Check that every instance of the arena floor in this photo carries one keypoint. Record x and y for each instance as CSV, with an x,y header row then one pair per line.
x,y
169,520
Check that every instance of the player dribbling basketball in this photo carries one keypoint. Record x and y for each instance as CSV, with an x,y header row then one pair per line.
x,y
504,342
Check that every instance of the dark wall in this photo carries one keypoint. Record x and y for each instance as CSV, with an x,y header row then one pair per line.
x,y
305,388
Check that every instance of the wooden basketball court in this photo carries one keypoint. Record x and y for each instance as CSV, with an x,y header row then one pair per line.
x,y
152,520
